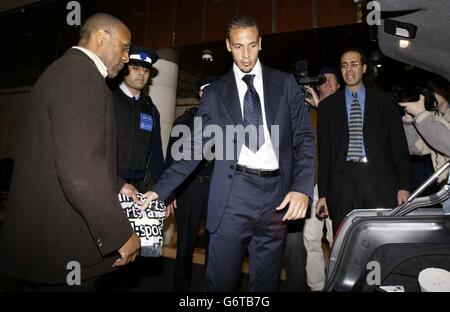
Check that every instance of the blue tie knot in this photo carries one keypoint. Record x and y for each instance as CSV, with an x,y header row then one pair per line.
x,y
248,79
355,95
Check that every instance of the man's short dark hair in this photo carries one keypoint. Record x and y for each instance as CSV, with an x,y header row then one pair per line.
x,y
359,51
98,21
241,22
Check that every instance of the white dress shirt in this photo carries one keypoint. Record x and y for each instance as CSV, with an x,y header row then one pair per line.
x,y
265,157
98,62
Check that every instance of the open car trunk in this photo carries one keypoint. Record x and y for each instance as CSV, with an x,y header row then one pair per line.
x,y
401,245
375,248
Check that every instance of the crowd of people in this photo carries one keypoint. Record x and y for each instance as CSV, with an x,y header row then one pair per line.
x,y
83,144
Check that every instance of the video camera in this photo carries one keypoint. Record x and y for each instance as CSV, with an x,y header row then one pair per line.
x,y
403,94
301,75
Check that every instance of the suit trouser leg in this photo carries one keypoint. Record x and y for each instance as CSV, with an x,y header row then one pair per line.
x,y
251,222
356,179
189,214
360,191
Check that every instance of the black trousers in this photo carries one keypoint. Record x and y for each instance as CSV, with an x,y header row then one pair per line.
x,y
359,192
192,206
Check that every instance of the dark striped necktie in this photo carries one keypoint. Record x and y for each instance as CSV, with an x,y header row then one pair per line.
x,y
252,115
355,130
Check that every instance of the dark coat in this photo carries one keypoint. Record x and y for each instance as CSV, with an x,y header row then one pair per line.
x,y
63,204
220,106
384,141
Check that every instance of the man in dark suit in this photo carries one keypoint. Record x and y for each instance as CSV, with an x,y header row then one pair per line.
x,y
363,155
64,222
253,180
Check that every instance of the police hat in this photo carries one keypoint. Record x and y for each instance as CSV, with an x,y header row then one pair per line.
x,y
141,57
204,82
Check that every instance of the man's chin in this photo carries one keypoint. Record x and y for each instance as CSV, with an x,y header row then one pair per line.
x,y
245,70
139,86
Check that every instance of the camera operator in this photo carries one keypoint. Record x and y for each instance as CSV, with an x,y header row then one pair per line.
x,y
303,255
313,229
428,132
329,87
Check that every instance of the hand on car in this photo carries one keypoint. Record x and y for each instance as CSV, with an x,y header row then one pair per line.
x,y
402,197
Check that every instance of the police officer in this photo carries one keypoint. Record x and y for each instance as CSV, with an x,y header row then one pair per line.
x,y
191,203
138,128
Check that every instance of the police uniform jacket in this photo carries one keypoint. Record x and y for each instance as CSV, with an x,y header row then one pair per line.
x,y
139,147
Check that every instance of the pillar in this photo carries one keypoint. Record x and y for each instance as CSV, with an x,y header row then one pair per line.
x,y
163,91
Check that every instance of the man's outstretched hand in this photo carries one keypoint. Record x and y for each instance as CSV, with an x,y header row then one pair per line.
x,y
298,204
150,196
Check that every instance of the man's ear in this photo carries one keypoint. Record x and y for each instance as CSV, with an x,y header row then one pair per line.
x,y
259,42
100,37
228,43
364,68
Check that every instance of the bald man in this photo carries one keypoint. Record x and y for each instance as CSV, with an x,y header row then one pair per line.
x,y
64,226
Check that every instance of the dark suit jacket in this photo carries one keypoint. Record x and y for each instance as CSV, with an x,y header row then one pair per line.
x,y
384,141
63,204
220,106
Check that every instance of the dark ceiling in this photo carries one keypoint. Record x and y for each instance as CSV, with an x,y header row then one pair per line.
x,y
32,29
33,42
31,48
281,51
